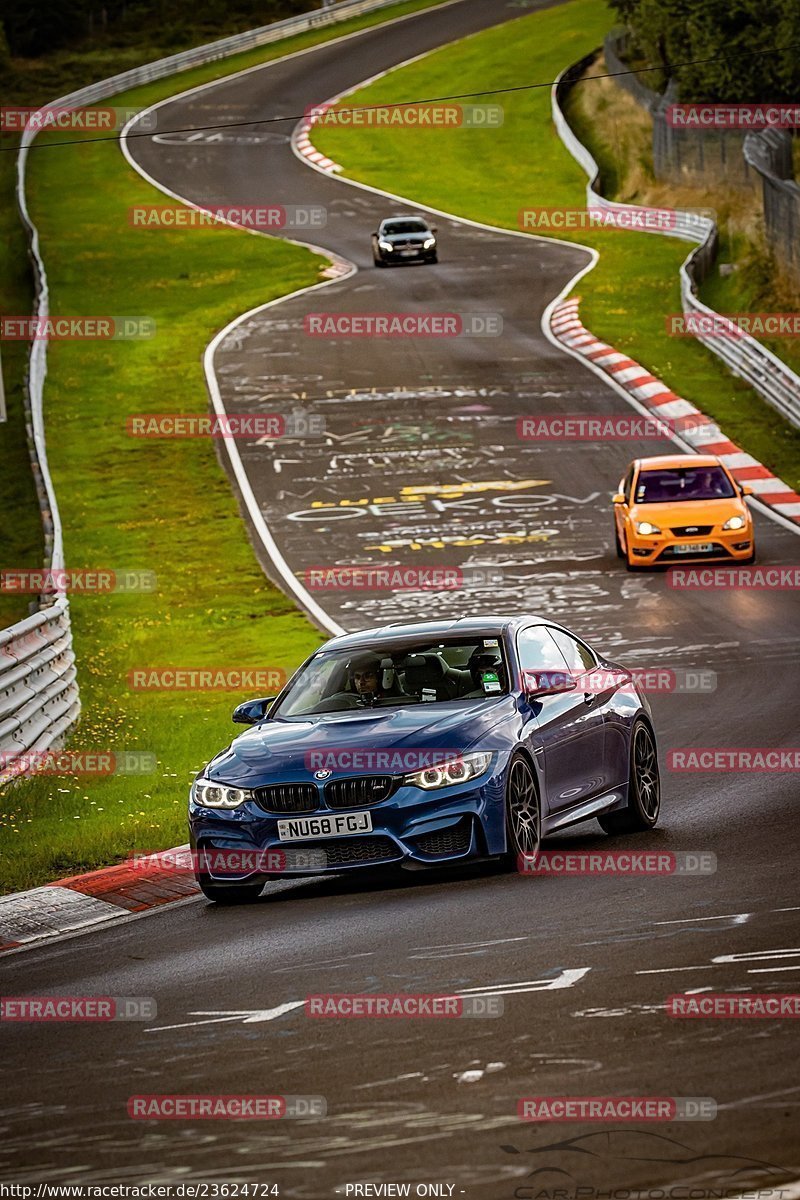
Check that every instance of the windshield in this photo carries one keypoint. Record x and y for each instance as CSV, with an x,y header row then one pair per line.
x,y
683,483
416,672
405,227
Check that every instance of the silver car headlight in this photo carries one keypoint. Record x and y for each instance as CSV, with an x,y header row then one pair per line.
x,y
429,243
218,795
646,527
385,245
735,523
456,770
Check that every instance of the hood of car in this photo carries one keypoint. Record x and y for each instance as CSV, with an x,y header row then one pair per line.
x,y
689,512
414,238
286,751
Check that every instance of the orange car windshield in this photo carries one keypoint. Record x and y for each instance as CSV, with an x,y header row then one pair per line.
x,y
672,486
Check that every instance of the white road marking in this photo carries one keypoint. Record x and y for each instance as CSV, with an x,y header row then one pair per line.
x,y
756,956
740,918
245,1016
750,956
755,1099
772,970
470,945
565,979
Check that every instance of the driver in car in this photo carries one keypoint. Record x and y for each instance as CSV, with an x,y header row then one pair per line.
x,y
364,676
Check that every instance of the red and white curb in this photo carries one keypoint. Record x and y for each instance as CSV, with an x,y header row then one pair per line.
x,y
704,437
302,140
82,901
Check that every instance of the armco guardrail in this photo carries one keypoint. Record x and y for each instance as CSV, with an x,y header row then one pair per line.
x,y
742,354
39,700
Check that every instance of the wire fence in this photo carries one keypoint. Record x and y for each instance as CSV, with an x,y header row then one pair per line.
x,y
742,354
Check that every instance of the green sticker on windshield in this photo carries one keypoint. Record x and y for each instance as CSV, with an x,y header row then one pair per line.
x,y
491,681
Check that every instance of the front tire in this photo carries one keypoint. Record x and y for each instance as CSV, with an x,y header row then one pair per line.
x,y
618,543
644,786
523,812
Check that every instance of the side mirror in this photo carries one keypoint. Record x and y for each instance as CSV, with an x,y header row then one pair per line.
x,y
376,234
745,489
547,683
619,498
434,229
251,712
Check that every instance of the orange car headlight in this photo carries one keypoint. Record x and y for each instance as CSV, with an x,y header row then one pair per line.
x,y
735,523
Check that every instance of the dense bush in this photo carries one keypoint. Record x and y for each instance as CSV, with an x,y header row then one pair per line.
x,y
674,31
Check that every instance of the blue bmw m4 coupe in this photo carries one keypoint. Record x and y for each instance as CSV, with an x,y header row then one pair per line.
x,y
421,745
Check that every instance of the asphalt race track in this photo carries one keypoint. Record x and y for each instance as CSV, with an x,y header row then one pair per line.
x,y
583,964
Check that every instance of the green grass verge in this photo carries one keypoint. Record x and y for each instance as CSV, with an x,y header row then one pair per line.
x,y
490,175
162,506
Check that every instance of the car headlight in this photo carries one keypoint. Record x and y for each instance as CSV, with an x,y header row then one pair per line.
x,y
429,243
735,523
456,770
385,245
218,795
646,527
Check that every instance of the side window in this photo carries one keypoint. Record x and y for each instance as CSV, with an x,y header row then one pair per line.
x,y
626,487
537,650
578,656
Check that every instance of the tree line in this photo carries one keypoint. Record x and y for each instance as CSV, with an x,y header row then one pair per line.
x,y
34,30
727,32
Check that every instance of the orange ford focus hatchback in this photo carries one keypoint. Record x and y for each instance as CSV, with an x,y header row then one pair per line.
x,y
681,508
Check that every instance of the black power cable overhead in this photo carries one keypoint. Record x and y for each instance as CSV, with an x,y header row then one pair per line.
x,y
522,87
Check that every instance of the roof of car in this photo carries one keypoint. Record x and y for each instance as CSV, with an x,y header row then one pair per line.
x,y
490,624
670,461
